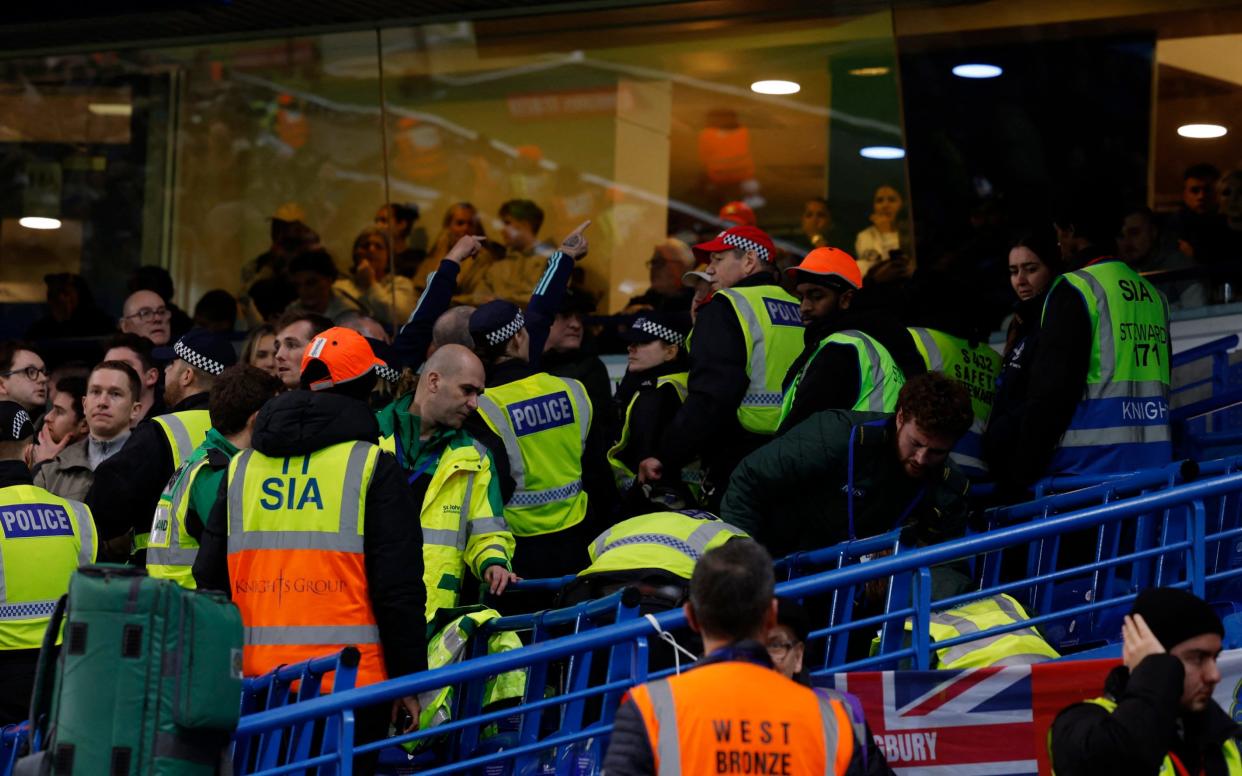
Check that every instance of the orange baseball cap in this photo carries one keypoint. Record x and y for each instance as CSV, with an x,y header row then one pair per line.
x,y
827,264
345,354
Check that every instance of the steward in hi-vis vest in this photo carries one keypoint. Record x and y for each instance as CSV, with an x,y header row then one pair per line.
x,y
975,365
732,712
312,533
43,540
653,389
742,344
844,365
187,501
128,485
545,424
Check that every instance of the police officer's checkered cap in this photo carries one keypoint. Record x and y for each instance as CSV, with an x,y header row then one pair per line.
x,y
388,374
658,330
507,331
196,359
20,421
746,245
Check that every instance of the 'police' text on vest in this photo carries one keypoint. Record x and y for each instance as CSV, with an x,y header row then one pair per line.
x,y
541,413
782,313
25,521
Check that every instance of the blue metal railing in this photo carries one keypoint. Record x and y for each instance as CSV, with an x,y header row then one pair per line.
x,y
908,574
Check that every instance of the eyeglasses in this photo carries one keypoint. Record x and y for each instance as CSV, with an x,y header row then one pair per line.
x,y
147,313
779,649
32,372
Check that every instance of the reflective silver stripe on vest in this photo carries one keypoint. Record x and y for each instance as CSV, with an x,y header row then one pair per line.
x,y
86,532
828,718
495,414
1020,660
931,351
859,725
484,525
1108,349
441,537
27,610
171,556
668,745
875,398
582,404
756,395
693,546
181,438
345,539
463,525
1118,435
535,498
275,635
963,626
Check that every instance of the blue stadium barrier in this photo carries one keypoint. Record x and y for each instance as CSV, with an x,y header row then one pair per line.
x,y
13,740
1211,425
907,574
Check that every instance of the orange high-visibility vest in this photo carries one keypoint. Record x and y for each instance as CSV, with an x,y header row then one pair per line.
x,y
295,557
725,155
738,717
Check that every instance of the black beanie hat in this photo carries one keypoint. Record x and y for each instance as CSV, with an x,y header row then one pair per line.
x,y
1175,615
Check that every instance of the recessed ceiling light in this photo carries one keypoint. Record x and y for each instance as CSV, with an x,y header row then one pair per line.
x,y
882,152
111,108
775,87
869,71
39,222
1201,131
977,70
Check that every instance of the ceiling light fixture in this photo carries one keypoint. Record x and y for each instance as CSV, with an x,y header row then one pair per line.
x,y
869,71
39,222
1201,131
882,152
977,70
775,87
111,108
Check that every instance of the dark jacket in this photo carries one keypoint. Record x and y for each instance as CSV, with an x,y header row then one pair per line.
x,y
586,368
128,485
1147,724
832,380
791,494
653,409
1012,388
706,427
301,422
410,345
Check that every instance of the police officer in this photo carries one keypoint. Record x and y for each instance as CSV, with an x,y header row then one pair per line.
x,y
743,343
841,367
128,485
452,476
732,713
187,500
43,538
317,507
1157,714
1097,400
650,394
975,365
556,456
1012,648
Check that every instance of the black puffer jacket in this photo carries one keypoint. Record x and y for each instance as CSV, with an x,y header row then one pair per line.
x,y
301,422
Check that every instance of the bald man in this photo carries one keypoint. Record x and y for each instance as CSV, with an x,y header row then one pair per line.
x,y
452,475
453,326
145,314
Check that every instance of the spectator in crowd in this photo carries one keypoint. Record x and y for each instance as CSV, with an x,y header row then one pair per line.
x,y
64,423
326,431
670,261
702,288
259,349
128,486
136,351
417,338
426,435
513,277
111,408
290,237
145,314
186,503
737,213
364,325
396,221
1139,245
71,310
293,331
885,237
1195,229
267,299
565,354
845,475
453,328
842,366
786,640
650,394
314,274
461,219
152,278
23,377
388,297
1157,714
733,687
745,339
216,311
1082,379
816,222
37,565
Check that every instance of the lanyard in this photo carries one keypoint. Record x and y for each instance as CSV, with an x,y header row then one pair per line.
x,y
849,484
422,468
